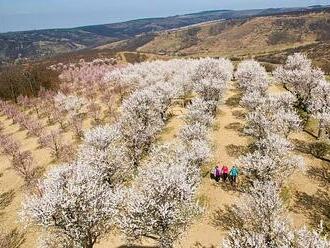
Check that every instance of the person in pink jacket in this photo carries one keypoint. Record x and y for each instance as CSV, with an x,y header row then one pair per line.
x,y
224,172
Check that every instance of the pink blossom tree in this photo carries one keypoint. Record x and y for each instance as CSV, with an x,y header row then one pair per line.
x,y
23,164
54,142
8,145
94,110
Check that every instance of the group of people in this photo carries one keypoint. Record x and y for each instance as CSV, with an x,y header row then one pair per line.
x,y
223,173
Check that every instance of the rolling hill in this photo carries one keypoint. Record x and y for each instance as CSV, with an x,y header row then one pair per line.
x,y
244,36
269,39
44,43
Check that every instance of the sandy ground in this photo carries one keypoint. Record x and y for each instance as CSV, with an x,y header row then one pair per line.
x,y
309,195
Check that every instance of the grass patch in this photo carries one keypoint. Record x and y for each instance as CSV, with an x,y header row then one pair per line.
x,y
216,127
312,125
328,78
206,168
286,195
203,200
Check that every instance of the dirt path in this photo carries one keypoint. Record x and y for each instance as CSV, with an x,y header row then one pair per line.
x,y
226,139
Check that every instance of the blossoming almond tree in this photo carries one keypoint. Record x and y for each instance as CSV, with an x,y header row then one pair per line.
x,y
53,141
139,123
273,113
22,162
252,77
262,219
299,77
319,106
199,111
263,222
272,160
94,111
75,107
104,150
160,205
8,145
251,99
220,70
73,202
192,132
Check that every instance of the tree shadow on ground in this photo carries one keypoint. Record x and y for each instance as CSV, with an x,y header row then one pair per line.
x,y
12,238
199,245
137,246
226,186
315,207
236,126
320,174
302,146
236,150
310,148
236,88
6,198
234,100
241,186
225,218
239,114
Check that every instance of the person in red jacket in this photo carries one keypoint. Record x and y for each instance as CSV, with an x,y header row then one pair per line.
x,y
224,172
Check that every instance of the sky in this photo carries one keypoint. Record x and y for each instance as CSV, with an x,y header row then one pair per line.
x,y
17,15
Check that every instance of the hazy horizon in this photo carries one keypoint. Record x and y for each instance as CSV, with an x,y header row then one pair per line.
x,y
33,14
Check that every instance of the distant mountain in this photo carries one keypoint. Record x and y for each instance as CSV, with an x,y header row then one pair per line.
x,y
258,36
44,43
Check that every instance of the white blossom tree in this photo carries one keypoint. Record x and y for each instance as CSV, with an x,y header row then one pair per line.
x,y
214,69
262,218
319,106
139,123
211,90
160,205
71,103
252,76
199,111
273,160
274,113
189,133
104,150
310,238
75,106
263,223
251,100
73,202
299,77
